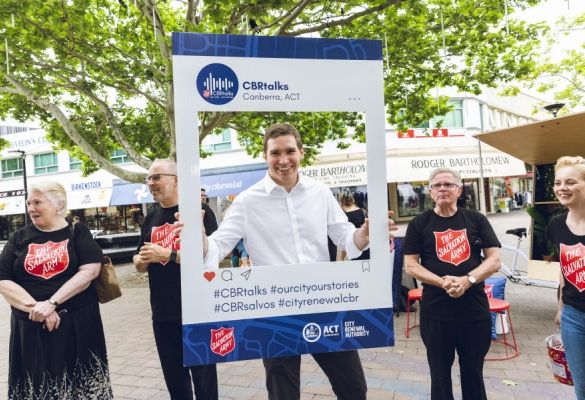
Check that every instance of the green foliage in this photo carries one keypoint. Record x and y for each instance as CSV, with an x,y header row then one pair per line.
x,y
97,73
540,224
564,78
3,143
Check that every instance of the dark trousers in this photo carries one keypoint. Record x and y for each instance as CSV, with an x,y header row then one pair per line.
x,y
169,343
471,340
344,370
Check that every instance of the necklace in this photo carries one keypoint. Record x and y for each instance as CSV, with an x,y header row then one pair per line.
x,y
58,228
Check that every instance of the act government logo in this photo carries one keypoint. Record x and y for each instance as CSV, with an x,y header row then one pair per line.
x,y
312,332
217,83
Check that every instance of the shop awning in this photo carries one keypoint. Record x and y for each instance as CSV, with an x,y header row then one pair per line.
x,y
225,184
541,142
130,193
12,202
350,173
495,164
89,198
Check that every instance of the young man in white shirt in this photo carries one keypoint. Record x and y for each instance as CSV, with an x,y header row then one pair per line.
x,y
286,219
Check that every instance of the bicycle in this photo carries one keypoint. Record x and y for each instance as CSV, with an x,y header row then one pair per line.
x,y
513,272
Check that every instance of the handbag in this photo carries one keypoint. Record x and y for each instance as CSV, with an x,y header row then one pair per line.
x,y
106,284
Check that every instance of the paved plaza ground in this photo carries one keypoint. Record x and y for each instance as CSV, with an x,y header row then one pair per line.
x,y
398,372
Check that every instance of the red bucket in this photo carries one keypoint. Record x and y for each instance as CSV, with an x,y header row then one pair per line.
x,y
558,361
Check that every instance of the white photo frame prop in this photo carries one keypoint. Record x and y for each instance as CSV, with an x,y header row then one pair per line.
x,y
270,311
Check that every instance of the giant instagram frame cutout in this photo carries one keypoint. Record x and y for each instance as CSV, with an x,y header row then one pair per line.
x,y
263,312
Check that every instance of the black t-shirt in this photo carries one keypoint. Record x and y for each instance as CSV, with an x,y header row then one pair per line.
x,y
41,262
209,220
357,218
572,259
451,246
164,278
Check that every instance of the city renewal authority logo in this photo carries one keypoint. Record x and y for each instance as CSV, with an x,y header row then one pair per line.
x,y
217,83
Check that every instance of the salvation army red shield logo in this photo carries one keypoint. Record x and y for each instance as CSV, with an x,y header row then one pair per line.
x,y
573,264
222,341
163,236
452,246
47,259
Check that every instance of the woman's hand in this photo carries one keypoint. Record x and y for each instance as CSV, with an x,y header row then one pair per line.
x,y
558,317
52,322
41,311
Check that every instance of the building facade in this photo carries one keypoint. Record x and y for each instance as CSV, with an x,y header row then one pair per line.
x,y
494,182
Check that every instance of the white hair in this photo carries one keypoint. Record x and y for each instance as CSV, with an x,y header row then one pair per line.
x,y
54,192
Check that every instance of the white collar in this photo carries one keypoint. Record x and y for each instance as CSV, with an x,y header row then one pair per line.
x,y
270,185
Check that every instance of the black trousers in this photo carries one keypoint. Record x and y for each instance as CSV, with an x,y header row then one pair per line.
x,y
169,343
344,370
471,340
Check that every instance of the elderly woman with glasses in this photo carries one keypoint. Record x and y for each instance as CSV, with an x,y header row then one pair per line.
x,y
443,249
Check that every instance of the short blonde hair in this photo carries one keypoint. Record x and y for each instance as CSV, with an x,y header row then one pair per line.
x,y
54,192
577,162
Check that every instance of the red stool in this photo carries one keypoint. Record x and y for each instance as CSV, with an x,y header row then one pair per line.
x,y
500,306
413,295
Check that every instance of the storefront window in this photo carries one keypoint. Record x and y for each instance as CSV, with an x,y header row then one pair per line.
x,y
510,193
9,224
112,220
413,198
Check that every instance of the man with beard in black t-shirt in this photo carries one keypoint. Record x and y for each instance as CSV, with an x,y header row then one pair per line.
x,y
158,253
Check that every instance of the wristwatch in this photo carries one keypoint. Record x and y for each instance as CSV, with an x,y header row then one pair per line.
x,y
472,279
53,302
173,256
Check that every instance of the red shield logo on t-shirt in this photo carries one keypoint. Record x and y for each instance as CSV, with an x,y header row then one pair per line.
x,y
452,246
47,259
489,290
222,341
164,237
573,264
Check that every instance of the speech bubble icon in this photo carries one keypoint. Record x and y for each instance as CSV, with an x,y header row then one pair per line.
x,y
226,275
209,275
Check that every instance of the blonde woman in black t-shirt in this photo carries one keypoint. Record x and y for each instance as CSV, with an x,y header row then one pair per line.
x,y
442,249
567,231
57,344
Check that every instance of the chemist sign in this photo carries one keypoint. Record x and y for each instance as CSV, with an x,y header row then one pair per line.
x,y
269,311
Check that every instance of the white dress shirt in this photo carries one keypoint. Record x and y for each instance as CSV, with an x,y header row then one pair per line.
x,y
280,227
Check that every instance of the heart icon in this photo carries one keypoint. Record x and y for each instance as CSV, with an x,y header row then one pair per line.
x,y
209,275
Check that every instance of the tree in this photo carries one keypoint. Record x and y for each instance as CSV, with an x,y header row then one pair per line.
x,y
565,78
97,73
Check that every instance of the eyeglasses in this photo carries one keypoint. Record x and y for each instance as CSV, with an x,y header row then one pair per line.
x,y
156,177
446,185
